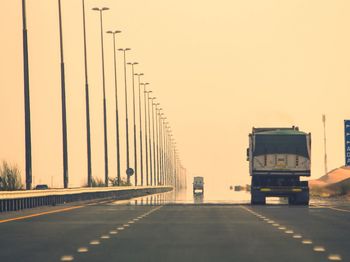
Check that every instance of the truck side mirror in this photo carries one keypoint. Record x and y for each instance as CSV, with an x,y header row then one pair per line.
x,y
247,154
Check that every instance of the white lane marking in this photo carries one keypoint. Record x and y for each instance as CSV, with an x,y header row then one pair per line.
x,y
126,225
82,250
94,242
120,228
67,258
113,232
334,257
105,237
131,222
307,241
333,208
319,249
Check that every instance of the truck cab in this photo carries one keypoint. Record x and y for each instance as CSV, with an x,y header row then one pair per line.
x,y
278,157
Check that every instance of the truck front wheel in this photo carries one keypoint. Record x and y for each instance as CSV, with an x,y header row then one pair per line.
x,y
257,198
299,199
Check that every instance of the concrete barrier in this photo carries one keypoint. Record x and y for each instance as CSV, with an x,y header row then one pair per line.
x,y
18,200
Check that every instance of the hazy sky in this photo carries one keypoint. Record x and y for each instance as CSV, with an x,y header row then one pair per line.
x,y
218,68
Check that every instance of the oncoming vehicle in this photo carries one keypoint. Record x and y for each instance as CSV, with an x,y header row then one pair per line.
x,y
278,157
198,184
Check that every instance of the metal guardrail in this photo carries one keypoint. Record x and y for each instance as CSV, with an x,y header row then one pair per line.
x,y
18,200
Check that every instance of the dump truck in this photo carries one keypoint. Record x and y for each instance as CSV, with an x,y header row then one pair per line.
x,y
198,184
278,157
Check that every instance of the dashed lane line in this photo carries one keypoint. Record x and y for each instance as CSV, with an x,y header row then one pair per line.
x,y
331,257
82,250
112,232
332,208
67,258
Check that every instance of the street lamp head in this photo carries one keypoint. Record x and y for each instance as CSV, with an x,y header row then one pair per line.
x,y
140,74
95,9
134,63
124,49
113,32
105,8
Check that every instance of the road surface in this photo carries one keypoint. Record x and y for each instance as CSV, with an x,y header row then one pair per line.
x,y
156,229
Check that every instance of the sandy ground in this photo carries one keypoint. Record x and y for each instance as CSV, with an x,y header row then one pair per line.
x,y
332,177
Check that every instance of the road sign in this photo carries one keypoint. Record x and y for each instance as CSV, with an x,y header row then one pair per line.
x,y
347,141
130,171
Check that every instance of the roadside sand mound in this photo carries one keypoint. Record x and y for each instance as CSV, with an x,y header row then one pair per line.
x,y
335,182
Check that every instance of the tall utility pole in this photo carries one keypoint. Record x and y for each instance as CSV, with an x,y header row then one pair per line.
x,y
325,144
165,135
104,94
157,143
134,117
63,96
149,99
28,140
154,144
161,148
146,129
116,103
87,103
140,123
126,113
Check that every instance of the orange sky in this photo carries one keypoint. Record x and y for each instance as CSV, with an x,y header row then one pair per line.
x,y
217,67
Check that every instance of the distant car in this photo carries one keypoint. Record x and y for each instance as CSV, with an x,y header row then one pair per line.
x,y
41,187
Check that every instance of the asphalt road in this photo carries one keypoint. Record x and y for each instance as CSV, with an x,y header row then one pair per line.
x,y
161,231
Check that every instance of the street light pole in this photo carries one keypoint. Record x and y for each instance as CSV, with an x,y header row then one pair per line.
x,y
150,138
166,155
134,117
140,123
154,144
126,113
146,124
28,140
161,125
104,95
157,144
165,151
63,97
116,103
87,104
